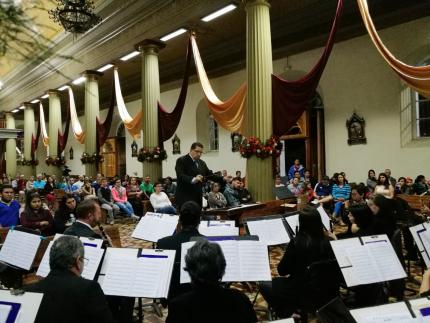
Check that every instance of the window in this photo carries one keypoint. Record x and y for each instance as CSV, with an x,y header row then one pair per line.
x,y
213,133
422,116
207,129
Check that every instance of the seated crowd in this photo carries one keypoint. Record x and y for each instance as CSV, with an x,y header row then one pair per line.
x,y
369,208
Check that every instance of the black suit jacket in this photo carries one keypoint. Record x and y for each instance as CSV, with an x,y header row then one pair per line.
x,y
211,304
186,170
81,230
174,243
70,299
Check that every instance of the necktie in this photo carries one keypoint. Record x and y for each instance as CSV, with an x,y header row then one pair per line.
x,y
196,163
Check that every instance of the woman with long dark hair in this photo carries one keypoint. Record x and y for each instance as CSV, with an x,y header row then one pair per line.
x,y
35,216
384,187
384,215
65,215
371,180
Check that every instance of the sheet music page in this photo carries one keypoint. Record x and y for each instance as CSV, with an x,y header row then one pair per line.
x,y
19,249
254,261
120,273
218,231
44,268
230,250
154,226
414,231
269,231
93,257
4,312
364,267
30,303
293,222
392,312
324,217
127,252
385,257
185,277
92,242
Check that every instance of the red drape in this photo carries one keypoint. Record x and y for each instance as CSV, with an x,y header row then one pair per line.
x,y
62,137
103,128
290,99
168,121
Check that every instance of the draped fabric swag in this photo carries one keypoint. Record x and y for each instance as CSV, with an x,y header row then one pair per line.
x,y
45,138
417,77
103,128
228,114
133,125
78,133
291,98
62,137
35,141
168,121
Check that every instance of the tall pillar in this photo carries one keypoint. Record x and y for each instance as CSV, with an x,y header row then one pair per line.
x,y
259,94
91,113
150,97
29,131
54,126
10,147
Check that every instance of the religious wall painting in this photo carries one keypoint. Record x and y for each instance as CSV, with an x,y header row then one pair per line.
x,y
176,143
355,126
134,149
236,140
71,153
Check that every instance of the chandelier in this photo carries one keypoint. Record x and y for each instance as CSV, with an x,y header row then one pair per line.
x,y
76,16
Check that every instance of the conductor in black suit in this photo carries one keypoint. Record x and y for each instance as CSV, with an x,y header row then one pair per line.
x,y
190,173
67,297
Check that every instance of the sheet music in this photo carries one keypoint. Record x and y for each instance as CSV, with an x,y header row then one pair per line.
x,y
154,226
145,275
30,303
392,312
269,231
114,252
242,206
218,228
85,241
324,217
364,271
424,253
246,260
4,312
293,222
19,249
93,256
419,304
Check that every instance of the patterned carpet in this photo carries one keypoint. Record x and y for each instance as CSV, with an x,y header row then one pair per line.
x,y
275,253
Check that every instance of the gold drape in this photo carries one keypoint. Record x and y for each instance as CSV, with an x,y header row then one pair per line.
x,y
78,133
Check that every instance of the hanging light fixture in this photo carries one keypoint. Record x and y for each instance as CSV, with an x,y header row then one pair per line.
x,y
76,16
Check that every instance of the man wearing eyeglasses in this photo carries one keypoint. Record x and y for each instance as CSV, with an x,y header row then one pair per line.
x,y
67,297
191,172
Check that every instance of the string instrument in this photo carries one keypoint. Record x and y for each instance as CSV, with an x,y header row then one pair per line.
x,y
105,237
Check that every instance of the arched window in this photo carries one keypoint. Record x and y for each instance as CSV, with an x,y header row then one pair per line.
x,y
422,116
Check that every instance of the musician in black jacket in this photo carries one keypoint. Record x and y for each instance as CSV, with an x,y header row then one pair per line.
x,y
67,297
88,215
190,173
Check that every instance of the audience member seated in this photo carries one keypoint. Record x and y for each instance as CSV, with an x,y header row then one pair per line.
x,y
39,184
104,195
189,220
298,176
9,208
87,191
231,193
371,180
384,212
146,187
79,183
67,297
29,186
48,192
361,219
420,186
35,216
134,195
62,185
409,186
297,167
278,181
295,187
307,178
97,183
216,199
160,201
391,179
169,187
244,194
209,301
21,183
323,190
384,187
357,194
311,244
309,192
401,186
65,215
119,195
14,184
341,192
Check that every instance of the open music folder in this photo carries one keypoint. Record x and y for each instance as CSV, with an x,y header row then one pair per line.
x,y
421,235
154,226
246,259
324,218
19,308
367,260
392,312
215,228
20,248
271,230
137,272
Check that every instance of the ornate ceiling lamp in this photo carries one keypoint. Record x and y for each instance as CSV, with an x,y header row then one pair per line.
x,y
76,16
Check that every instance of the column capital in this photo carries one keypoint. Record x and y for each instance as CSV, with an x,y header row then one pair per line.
x,y
151,46
28,105
250,3
53,92
92,75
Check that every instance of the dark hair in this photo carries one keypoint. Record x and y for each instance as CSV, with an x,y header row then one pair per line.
x,y
64,211
236,179
387,181
205,263
194,145
360,188
29,197
310,223
419,178
86,207
384,204
158,183
64,252
362,215
325,178
368,173
5,186
189,214
345,181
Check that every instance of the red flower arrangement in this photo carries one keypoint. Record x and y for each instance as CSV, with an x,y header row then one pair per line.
x,y
254,146
151,154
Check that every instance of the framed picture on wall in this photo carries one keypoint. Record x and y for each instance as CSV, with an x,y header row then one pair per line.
x,y
236,140
176,142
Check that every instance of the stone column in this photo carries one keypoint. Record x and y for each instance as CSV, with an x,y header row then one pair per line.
x,y
29,131
150,96
10,147
91,113
259,94
54,126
